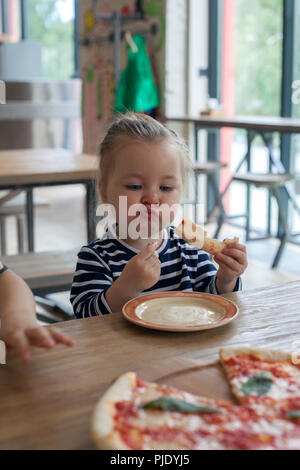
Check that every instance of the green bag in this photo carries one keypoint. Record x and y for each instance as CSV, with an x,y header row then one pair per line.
x,y
137,90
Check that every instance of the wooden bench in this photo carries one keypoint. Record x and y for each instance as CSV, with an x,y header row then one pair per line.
x,y
44,272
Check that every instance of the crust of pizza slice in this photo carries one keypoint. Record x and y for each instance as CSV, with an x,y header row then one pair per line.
x,y
102,425
273,355
195,235
213,246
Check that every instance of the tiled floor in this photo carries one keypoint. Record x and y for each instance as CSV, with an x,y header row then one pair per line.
x,y
60,224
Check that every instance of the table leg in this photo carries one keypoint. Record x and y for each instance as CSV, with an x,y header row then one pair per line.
x,y
3,235
196,198
196,142
91,210
284,227
268,140
250,137
218,203
30,219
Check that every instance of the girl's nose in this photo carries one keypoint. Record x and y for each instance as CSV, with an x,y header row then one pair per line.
x,y
150,198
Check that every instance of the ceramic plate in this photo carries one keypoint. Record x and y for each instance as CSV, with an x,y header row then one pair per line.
x,y
180,311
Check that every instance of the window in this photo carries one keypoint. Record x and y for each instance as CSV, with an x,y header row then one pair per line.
x,y
52,23
258,56
251,85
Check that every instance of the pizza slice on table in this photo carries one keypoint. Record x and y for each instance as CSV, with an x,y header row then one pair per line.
x,y
134,414
266,381
138,415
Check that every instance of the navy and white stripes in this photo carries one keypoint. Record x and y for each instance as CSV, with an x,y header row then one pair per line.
x,y
183,268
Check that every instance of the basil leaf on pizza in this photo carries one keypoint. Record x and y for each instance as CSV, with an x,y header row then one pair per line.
x,y
293,414
260,383
173,404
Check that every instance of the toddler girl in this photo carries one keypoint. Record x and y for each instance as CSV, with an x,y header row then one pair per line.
x,y
142,163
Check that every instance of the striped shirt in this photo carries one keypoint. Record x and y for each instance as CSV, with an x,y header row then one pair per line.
x,y
183,268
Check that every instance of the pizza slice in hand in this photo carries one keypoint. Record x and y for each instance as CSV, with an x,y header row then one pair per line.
x,y
194,234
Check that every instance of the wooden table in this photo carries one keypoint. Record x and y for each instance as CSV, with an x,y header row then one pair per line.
x,y
257,123
47,404
28,169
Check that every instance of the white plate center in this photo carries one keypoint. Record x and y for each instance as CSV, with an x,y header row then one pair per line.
x,y
180,311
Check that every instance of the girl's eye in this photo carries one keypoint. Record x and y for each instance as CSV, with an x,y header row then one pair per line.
x,y
166,188
133,187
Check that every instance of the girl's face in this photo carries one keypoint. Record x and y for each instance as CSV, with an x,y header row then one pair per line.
x,y
146,173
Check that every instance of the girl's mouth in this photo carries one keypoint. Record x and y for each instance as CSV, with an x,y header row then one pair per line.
x,y
152,213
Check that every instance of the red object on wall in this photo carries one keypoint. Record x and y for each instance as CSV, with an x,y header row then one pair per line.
x,y
228,90
125,10
13,29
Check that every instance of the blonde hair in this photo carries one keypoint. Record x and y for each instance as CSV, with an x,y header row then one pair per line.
x,y
137,126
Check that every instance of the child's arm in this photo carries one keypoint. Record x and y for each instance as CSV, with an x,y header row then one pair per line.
x,y
17,304
19,328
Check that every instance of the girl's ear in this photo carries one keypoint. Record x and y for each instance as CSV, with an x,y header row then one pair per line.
x,y
101,190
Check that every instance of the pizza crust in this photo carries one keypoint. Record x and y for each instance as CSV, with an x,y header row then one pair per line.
x,y
102,425
213,246
194,234
271,354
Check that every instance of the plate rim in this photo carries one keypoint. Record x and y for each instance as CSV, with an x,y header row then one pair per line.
x,y
133,318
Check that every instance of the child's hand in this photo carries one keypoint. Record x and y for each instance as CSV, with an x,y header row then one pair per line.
x,y
143,270
21,340
232,263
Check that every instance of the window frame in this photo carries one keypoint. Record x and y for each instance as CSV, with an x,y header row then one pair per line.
x,y
287,73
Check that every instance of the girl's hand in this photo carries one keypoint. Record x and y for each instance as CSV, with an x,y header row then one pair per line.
x,y
21,340
143,270
232,263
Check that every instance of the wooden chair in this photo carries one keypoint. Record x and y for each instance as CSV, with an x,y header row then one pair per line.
x,y
272,182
